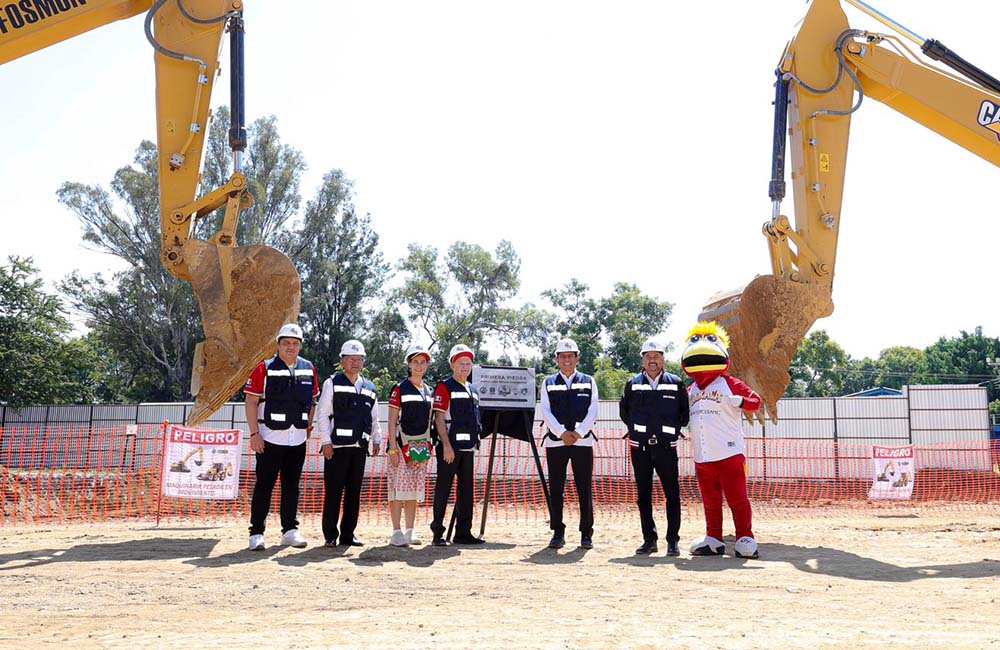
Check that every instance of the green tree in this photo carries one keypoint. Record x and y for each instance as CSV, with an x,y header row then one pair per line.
x,y
610,380
579,320
629,318
863,374
902,365
274,173
37,363
342,270
386,341
962,359
145,318
465,298
613,327
818,367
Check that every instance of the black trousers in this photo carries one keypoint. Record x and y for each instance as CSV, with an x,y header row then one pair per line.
x,y
582,459
275,461
464,467
663,459
342,477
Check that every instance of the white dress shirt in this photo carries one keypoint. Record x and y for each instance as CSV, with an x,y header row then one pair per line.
x,y
582,428
324,413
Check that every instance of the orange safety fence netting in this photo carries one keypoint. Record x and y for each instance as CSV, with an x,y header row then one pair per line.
x,y
87,474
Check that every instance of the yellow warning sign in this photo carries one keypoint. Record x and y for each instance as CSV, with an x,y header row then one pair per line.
x,y
824,162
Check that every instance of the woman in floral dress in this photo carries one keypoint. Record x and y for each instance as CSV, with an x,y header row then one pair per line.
x,y
409,444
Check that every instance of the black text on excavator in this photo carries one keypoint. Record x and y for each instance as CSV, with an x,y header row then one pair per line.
x,y
246,293
824,74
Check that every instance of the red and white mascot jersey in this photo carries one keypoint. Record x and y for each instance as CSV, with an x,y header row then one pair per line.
x,y
716,430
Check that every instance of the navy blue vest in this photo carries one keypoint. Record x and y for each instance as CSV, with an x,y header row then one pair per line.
x,y
466,423
569,404
649,411
414,408
288,394
352,411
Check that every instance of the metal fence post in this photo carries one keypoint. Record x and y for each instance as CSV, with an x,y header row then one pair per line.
x,y
836,444
909,416
763,447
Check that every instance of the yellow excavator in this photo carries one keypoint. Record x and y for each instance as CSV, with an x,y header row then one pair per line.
x,y
824,74
246,293
182,466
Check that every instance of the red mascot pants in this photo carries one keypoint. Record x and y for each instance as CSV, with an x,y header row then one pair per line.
x,y
725,477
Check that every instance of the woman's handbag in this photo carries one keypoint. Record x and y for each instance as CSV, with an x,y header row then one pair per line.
x,y
416,449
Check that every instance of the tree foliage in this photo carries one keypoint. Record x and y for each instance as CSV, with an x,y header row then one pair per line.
x,y
144,316
817,367
274,172
613,327
821,367
38,365
342,270
464,298
962,359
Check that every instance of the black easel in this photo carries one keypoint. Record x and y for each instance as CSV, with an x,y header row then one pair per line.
x,y
515,423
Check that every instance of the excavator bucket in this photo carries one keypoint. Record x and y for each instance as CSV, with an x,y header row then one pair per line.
x,y
246,293
766,321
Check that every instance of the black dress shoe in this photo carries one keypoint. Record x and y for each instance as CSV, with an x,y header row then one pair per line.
x,y
468,539
439,541
352,542
586,542
648,546
557,541
673,549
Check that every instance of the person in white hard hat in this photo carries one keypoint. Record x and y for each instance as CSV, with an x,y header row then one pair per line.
x,y
569,409
408,443
280,402
347,421
459,425
654,407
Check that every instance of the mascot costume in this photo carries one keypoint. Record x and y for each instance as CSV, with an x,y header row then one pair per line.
x,y
716,429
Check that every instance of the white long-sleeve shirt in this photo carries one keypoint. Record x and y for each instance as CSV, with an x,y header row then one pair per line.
x,y
582,428
324,412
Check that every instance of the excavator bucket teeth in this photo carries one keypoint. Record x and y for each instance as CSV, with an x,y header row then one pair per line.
x,y
246,294
766,321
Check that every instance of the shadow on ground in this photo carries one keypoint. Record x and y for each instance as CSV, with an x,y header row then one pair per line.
x,y
157,548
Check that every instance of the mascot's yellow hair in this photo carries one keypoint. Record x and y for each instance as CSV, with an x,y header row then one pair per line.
x,y
710,327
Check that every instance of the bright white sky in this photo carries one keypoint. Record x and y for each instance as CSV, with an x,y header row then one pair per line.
x,y
610,141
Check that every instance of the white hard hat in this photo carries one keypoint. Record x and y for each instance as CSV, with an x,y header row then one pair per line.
x,y
290,331
459,350
652,345
416,349
352,347
567,345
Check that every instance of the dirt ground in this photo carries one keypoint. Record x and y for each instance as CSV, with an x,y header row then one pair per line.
x,y
845,581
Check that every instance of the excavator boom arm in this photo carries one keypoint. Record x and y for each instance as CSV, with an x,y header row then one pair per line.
x,y
246,293
823,77
850,66
32,25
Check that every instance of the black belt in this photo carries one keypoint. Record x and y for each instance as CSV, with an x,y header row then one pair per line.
x,y
653,441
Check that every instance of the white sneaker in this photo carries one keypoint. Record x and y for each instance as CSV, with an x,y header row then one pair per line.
x,y
398,538
256,543
293,538
411,537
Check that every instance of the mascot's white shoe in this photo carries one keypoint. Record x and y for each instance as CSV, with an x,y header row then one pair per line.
x,y
709,546
746,547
